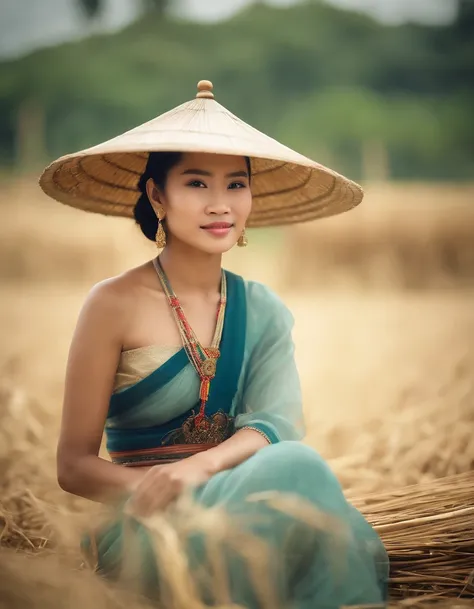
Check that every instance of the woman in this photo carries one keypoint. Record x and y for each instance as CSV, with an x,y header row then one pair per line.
x,y
190,369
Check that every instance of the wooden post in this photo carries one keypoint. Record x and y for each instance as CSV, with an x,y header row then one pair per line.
x,y
30,134
375,161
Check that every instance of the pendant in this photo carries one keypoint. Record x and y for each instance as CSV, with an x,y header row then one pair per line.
x,y
208,367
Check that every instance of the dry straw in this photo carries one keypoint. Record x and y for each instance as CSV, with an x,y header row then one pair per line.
x,y
286,186
428,530
418,439
403,236
425,602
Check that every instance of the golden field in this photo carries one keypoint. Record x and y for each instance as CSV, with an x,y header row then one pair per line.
x,y
383,299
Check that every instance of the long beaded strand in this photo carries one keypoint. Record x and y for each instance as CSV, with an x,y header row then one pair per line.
x,y
203,359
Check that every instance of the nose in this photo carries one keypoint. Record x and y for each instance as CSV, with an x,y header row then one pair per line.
x,y
218,205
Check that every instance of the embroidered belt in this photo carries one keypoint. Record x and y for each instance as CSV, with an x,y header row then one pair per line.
x,y
158,456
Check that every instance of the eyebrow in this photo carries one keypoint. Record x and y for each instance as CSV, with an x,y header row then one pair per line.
x,y
201,172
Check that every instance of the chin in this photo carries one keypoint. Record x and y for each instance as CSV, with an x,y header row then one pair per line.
x,y
215,245
212,245
207,245
217,248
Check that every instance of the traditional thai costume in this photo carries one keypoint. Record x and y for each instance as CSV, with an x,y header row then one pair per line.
x,y
172,402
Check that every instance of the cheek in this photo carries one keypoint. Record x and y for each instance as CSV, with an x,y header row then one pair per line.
x,y
182,205
245,205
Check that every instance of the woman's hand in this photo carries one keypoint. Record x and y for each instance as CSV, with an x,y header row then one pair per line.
x,y
164,483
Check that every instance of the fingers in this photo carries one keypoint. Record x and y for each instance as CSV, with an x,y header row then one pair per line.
x,y
158,488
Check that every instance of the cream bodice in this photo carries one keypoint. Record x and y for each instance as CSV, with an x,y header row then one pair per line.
x,y
136,364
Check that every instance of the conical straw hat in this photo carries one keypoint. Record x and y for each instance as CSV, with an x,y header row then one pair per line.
x,y
286,186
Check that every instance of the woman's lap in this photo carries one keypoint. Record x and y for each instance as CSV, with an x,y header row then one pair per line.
x,y
341,536
340,557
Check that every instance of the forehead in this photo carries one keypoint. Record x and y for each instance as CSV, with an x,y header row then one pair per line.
x,y
213,163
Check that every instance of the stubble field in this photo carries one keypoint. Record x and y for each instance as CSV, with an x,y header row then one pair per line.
x,y
383,301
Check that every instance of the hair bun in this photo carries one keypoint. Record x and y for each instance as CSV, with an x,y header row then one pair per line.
x,y
157,168
145,217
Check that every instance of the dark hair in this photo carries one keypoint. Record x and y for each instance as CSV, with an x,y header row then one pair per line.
x,y
158,166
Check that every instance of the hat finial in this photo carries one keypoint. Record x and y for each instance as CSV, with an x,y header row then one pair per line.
x,y
205,89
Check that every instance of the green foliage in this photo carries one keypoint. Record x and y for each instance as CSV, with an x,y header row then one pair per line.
x,y
90,7
159,6
320,79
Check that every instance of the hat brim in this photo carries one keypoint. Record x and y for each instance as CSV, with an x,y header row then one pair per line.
x,y
286,186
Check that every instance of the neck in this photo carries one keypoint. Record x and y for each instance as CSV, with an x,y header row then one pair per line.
x,y
191,270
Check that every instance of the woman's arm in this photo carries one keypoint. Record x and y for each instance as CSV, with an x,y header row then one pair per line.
x,y
163,484
233,451
91,368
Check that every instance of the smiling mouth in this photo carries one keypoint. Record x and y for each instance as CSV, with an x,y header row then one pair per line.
x,y
217,225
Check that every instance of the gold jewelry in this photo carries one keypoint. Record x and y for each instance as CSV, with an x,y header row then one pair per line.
x,y
203,359
242,240
160,237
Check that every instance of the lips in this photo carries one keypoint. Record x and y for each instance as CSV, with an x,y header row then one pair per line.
x,y
218,225
218,229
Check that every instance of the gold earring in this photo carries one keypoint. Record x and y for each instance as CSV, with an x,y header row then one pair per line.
x,y
160,237
242,240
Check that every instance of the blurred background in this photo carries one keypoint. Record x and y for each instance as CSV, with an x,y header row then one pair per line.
x,y
383,297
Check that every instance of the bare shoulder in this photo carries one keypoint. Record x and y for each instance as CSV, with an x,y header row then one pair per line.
x,y
109,302
117,291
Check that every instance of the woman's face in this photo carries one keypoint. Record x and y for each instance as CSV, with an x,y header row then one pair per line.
x,y
206,201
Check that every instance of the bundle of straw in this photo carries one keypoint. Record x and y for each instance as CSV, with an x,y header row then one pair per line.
x,y
428,530
431,603
426,602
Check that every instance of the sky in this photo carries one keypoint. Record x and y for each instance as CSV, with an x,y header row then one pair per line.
x,y
29,24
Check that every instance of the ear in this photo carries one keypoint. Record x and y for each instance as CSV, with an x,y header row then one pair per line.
x,y
154,197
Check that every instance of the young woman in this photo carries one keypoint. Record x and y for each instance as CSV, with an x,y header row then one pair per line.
x,y
189,368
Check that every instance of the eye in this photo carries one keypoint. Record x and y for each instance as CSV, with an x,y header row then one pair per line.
x,y
196,184
237,185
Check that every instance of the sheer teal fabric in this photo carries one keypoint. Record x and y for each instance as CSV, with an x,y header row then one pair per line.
x,y
269,396
256,386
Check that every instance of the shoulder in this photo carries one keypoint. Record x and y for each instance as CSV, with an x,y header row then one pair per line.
x,y
259,294
263,301
264,305
114,290
111,298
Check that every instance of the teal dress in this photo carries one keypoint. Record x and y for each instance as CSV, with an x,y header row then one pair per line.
x,y
256,386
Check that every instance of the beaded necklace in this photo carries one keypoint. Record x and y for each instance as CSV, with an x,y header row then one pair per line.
x,y
203,359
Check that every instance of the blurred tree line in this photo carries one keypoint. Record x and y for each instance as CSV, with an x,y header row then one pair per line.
x,y
92,8
371,100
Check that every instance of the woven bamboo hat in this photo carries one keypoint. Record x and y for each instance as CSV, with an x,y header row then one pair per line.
x,y
286,186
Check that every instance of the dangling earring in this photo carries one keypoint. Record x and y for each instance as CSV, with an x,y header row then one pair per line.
x,y
160,238
242,240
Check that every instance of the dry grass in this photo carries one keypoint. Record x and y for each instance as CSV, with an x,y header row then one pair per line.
x,y
387,374
428,532
423,603
401,237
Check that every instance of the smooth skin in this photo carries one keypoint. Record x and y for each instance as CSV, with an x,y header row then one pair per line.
x,y
131,311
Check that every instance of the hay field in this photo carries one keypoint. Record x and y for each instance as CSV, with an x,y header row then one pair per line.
x,y
384,336
402,237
